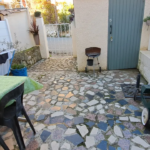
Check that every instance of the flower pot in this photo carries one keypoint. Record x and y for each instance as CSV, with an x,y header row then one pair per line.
x,y
90,62
19,72
36,39
148,22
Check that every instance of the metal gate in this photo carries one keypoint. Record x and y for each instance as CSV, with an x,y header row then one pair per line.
x,y
59,39
124,33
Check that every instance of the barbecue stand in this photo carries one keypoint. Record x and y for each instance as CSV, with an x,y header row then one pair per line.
x,y
92,52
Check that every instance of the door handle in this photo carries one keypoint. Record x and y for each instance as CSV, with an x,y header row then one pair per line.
x,y
110,29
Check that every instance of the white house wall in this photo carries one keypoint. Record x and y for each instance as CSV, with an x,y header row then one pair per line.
x,y
19,24
91,22
145,29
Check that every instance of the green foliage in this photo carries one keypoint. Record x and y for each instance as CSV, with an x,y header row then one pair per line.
x,y
17,66
37,14
47,10
65,13
146,19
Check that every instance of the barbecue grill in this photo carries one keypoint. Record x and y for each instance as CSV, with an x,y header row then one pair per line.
x,y
92,52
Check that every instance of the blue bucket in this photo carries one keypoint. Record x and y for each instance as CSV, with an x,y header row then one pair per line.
x,y
19,72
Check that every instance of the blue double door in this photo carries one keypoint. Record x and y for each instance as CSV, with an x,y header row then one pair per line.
x,y
124,33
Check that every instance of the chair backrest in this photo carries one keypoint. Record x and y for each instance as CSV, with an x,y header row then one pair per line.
x,y
15,94
92,50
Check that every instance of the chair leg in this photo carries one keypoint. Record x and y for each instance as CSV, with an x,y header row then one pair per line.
x,y
28,120
17,133
2,143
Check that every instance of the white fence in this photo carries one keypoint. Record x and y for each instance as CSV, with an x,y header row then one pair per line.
x,y
59,39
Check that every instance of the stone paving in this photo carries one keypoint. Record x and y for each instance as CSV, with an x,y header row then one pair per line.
x,y
76,111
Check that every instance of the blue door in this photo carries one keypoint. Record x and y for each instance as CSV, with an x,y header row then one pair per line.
x,y
124,33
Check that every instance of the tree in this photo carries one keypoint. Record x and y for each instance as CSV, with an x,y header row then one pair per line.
x,y
47,9
64,13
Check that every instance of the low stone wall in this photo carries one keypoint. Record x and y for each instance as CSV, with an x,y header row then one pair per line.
x,y
28,57
144,64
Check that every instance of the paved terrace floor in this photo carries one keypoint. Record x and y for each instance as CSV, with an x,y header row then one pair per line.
x,y
75,111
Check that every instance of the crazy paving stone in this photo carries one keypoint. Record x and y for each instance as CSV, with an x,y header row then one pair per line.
x,y
100,94
33,145
140,126
118,131
127,134
57,134
101,117
55,120
91,116
78,120
124,144
55,145
112,139
41,117
45,134
123,102
58,113
80,148
76,139
102,145
140,141
99,137
132,107
62,126
117,121
109,133
102,126
70,131
110,122
90,141
109,116
47,121
71,111
137,113
122,126
137,132
147,138
55,108
66,146
110,100
127,111
90,123
90,97
129,126
94,131
73,105
68,122
111,148
31,117
82,129
69,95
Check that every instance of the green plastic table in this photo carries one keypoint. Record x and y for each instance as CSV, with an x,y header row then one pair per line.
x,y
8,83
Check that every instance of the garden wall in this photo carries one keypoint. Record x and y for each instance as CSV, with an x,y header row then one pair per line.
x,y
28,57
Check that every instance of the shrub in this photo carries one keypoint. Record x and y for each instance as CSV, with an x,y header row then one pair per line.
x,y
37,14
17,66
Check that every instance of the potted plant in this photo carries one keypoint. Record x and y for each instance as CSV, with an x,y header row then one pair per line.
x,y
19,70
147,20
37,14
35,31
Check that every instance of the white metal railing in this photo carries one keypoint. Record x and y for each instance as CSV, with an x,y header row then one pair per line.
x,y
59,39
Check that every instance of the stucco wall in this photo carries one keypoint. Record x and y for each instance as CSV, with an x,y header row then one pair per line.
x,y
19,24
145,29
144,64
91,25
